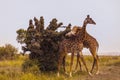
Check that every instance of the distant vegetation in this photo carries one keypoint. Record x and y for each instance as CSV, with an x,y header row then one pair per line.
x,y
8,52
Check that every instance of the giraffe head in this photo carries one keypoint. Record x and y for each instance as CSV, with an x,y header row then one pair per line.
x,y
89,20
75,30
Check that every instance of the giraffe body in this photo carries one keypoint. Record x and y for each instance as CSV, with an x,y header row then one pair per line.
x,y
92,44
88,42
76,45
71,45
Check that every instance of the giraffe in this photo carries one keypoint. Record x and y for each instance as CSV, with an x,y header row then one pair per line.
x,y
72,45
91,43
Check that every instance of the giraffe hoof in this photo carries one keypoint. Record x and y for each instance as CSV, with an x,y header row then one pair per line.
x,y
97,72
58,75
66,73
70,74
91,71
90,74
75,71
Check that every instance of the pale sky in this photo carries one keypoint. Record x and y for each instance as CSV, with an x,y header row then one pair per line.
x,y
15,14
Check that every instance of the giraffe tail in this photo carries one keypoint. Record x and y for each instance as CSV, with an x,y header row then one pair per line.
x,y
97,51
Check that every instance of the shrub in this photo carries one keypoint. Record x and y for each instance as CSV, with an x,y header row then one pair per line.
x,y
8,52
30,66
42,43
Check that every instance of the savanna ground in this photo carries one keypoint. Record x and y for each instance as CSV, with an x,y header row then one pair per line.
x,y
109,70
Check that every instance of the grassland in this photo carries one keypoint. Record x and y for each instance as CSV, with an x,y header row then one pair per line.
x,y
109,70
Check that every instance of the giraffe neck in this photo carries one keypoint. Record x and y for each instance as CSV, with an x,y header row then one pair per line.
x,y
84,29
84,25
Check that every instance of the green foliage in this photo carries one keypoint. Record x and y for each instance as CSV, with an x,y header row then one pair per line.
x,y
21,36
8,52
42,43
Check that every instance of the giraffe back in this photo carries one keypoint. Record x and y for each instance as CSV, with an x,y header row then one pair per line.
x,y
71,46
90,41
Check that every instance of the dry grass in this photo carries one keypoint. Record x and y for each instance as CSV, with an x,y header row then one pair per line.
x,y
109,70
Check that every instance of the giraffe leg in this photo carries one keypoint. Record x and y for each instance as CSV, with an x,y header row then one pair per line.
x,y
83,61
80,65
60,60
95,62
64,64
58,74
97,65
76,63
64,61
71,64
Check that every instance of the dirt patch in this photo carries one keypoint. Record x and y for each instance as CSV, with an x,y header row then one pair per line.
x,y
111,72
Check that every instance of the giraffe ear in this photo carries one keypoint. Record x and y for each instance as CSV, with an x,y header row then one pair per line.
x,y
88,16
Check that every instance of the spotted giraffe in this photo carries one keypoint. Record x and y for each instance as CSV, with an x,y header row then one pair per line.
x,y
91,43
71,45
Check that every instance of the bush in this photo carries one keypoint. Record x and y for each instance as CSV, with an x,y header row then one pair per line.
x,y
8,52
30,66
42,42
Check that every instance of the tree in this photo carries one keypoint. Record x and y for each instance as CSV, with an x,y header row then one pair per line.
x,y
21,36
42,43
